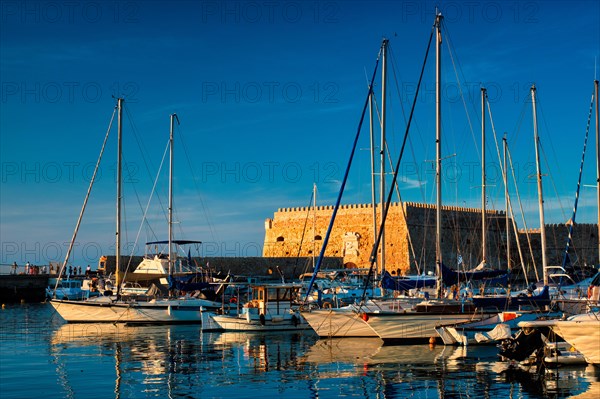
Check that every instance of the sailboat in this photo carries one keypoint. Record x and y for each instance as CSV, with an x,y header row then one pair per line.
x,y
582,331
397,323
347,321
133,310
512,309
529,298
418,323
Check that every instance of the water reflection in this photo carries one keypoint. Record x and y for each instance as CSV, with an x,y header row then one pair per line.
x,y
399,371
371,351
176,361
154,357
569,381
593,389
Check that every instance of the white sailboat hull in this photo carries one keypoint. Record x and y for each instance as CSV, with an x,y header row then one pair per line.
x,y
338,323
583,335
106,310
412,327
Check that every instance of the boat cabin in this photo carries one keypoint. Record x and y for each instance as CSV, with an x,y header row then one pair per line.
x,y
274,299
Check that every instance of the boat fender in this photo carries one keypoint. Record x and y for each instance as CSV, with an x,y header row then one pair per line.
x,y
294,321
365,317
262,319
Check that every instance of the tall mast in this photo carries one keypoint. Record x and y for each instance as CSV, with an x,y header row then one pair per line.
x,y
438,152
597,161
506,204
483,226
314,223
383,146
119,187
539,187
171,153
373,190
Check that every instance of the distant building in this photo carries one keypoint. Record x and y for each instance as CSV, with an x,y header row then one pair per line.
x,y
410,237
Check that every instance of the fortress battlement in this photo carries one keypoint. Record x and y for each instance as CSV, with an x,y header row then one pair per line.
x,y
393,204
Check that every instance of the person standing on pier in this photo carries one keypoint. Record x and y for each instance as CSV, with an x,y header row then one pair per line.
x,y
14,268
27,267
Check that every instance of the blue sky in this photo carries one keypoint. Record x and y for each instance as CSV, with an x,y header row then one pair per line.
x,y
269,95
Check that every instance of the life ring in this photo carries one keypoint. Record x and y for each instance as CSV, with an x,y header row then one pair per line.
x,y
233,300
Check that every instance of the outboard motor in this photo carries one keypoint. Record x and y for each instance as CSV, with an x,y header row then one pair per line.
x,y
522,345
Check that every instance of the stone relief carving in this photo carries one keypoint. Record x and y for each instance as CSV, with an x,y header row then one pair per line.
x,y
350,247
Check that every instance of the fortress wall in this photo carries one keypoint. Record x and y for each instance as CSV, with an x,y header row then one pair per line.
x,y
461,236
351,237
352,234
583,250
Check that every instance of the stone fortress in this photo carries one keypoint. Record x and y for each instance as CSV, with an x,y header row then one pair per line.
x,y
410,238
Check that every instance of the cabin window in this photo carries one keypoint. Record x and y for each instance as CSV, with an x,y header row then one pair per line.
x,y
280,239
318,238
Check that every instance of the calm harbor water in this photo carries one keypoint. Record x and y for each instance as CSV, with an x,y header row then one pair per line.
x,y
40,355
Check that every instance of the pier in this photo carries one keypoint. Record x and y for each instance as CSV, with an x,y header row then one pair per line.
x,y
23,287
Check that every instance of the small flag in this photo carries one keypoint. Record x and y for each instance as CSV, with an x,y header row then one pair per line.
x,y
459,259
